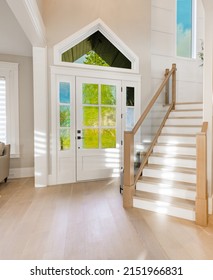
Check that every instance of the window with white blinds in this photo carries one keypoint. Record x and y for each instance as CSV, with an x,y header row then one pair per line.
x,y
3,127
9,106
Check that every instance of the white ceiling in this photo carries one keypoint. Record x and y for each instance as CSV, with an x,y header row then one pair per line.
x,y
12,38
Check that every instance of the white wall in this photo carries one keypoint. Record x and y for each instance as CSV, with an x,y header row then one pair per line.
x,y
129,20
13,39
25,75
163,46
15,47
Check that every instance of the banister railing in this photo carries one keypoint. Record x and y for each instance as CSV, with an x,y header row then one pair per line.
x,y
139,142
201,204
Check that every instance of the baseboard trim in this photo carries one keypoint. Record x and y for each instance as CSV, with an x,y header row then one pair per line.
x,y
21,172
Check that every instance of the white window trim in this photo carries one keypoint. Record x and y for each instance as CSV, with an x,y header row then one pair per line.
x,y
97,25
194,29
10,72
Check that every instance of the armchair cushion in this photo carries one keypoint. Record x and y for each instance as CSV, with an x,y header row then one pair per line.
x,y
2,145
5,163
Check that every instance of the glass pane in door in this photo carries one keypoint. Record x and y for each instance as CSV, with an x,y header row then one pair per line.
x,y
64,116
90,138
108,138
108,116
90,116
90,94
99,116
108,95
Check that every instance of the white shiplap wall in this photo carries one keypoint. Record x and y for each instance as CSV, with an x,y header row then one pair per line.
x,y
163,51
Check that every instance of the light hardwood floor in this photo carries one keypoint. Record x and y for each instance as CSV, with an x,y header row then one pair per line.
x,y
87,221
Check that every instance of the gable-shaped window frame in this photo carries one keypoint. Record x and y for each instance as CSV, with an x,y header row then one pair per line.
x,y
84,33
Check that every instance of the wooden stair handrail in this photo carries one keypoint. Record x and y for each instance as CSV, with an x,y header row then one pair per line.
x,y
201,202
152,102
154,141
129,177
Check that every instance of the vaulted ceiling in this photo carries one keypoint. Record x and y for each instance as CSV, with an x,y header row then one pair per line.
x,y
13,39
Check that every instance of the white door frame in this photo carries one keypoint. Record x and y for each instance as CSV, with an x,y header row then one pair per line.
x,y
60,71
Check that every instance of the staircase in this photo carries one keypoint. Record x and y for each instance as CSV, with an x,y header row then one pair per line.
x,y
168,184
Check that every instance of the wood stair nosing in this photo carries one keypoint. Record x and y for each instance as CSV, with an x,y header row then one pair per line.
x,y
166,182
177,145
187,103
176,139
171,173
186,110
171,168
186,203
178,190
181,209
179,156
186,117
180,125
177,135
173,160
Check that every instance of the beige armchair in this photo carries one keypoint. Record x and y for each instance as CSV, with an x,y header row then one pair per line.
x,y
5,164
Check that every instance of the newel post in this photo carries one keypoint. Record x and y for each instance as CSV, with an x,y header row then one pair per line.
x,y
129,187
174,84
201,204
166,88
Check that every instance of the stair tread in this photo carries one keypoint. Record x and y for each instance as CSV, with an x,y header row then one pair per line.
x,y
178,135
168,200
176,145
164,155
186,110
186,117
181,125
169,183
187,103
171,168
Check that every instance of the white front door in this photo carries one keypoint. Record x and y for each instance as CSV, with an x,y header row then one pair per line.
x,y
98,128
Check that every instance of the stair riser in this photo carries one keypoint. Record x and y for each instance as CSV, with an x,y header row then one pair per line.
x,y
184,121
165,190
167,209
172,162
175,150
186,114
176,139
177,176
189,106
181,130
